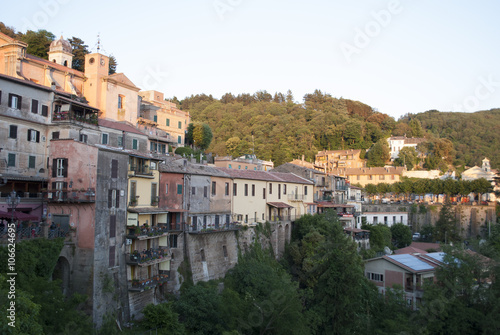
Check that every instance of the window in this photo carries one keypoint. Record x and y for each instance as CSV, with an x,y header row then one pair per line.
x,y
213,188
15,101
112,256
179,139
193,190
235,189
284,188
226,189
120,141
13,131
33,135
239,167
45,110
227,218
224,251
246,190
55,135
385,220
113,199
60,167
381,177
357,177
133,192
114,168
305,190
155,118
104,139
393,177
270,188
253,190
375,276
279,191
31,162
179,125
166,188
84,138
172,241
121,101
134,144
205,191
217,221
246,218
179,189
112,226
168,122
264,193
11,160
370,177
230,166
34,106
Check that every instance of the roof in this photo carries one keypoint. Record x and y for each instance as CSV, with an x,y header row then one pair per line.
x,y
383,213
148,210
409,250
332,205
186,167
266,176
120,78
296,167
130,152
22,177
356,230
369,171
26,82
410,262
279,205
54,65
340,152
426,246
119,126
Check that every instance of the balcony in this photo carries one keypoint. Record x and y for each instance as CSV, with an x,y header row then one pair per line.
x,y
140,171
75,116
72,196
203,229
341,188
141,285
296,197
148,257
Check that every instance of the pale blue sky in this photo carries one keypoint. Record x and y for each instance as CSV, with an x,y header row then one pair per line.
x,y
397,56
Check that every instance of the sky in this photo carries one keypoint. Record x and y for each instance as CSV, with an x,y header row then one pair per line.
x,y
398,56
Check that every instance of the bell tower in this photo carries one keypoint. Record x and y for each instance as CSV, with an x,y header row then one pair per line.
x,y
61,52
96,68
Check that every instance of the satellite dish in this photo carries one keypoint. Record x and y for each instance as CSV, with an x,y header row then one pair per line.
x,y
387,251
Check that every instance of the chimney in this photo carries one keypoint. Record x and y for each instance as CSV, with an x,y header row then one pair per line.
x,y
184,164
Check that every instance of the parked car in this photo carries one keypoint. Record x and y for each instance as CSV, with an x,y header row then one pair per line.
x,y
416,236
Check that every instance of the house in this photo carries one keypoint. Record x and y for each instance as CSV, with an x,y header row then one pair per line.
x,y
335,159
371,175
396,143
164,116
485,172
346,213
387,218
406,271
245,162
360,236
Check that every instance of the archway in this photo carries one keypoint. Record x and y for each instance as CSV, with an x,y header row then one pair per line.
x,y
62,272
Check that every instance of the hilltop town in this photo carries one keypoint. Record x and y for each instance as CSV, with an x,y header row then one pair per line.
x,y
90,158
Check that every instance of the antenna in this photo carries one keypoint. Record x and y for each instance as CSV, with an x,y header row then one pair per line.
x,y
98,42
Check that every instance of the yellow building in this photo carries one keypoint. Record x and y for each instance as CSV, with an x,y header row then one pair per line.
x,y
371,175
334,159
166,116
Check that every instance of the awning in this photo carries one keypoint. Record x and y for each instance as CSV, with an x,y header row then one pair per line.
x,y
18,216
279,205
148,210
331,205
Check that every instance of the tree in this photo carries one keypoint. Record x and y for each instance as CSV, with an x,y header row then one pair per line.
x,y
38,42
401,235
232,146
162,316
446,229
199,134
407,157
80,49
112,64
378,154
380,236
416,128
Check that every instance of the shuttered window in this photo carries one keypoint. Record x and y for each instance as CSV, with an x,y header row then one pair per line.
x,y
34,106
45,110
112,226
114,168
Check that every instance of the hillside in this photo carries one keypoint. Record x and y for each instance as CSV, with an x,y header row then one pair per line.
x,y
474,135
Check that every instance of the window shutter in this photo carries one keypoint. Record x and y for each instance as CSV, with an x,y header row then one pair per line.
x,y
10,100
34,106
114,168
13,131
110,198
112,256
53,185
0,97
112,226
54,168
37,137
65,167
29,135
117,199
19,102
45,110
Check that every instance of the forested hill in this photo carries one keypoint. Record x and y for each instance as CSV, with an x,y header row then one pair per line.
x,y
474,135
284,130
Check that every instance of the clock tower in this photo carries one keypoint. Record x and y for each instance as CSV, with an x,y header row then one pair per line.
x,y
96,68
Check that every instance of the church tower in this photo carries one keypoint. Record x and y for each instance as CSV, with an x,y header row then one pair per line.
x,y
60,52
96,68
486,165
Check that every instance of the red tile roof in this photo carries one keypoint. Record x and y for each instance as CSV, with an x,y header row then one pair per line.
x,y
266,175
119,126
409,250
54,65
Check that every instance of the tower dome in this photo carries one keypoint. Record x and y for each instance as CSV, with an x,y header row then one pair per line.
x,y
60,52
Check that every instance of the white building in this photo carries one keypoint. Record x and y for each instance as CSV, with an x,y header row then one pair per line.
x,y
387,218
396,143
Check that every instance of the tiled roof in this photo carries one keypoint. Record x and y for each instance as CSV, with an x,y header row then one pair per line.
x,y
426,246
369,171
266,175
119,126
340,152
409,250
54,65
177,166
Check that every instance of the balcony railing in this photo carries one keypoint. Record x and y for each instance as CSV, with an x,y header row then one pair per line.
x,y
24,195
149,257
201,229
140,285
141,170
72,116
341,188
296,197
82,195
144,233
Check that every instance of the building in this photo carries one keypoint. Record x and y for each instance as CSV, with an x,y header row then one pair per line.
x,y
360,236
245,162
165,116
387,218
371,175
335,159
396,143
485,172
